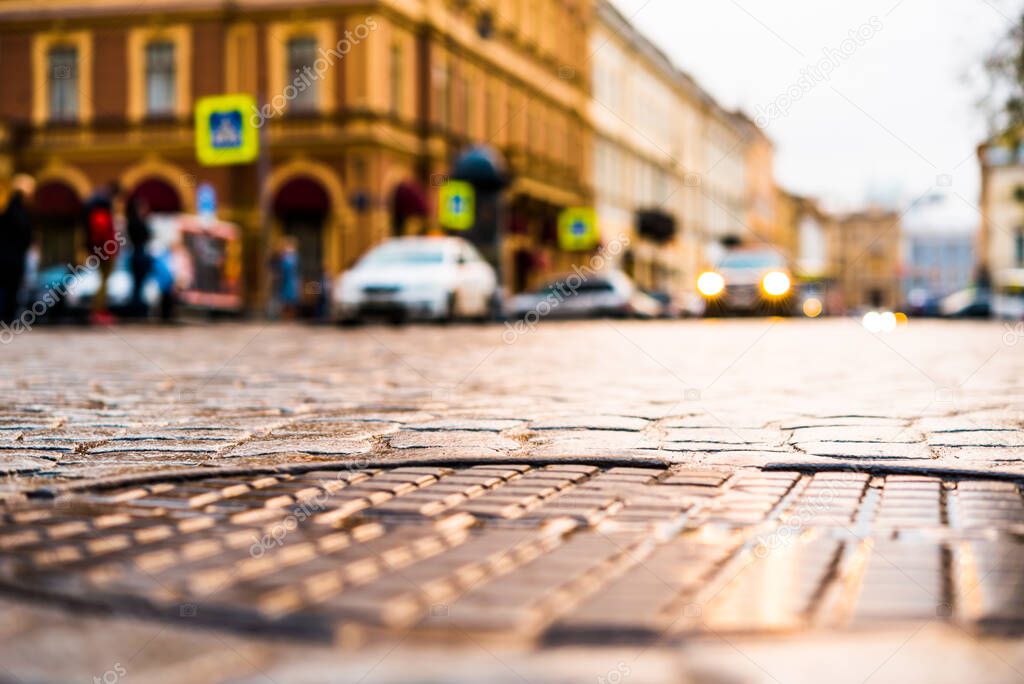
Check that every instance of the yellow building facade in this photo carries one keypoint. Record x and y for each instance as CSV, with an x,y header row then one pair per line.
x,y
675,173
866,260
639,172
363,109
1001,239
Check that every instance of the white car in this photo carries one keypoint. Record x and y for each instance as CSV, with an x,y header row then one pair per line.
x,y
424,278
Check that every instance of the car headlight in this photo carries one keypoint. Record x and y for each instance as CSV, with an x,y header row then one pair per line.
x,y
776,284
711,284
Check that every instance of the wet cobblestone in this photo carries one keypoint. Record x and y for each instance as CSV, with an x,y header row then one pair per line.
x,y
558,553
593,484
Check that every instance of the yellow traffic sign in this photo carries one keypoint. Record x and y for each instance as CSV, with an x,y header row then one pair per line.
x,y
457,205
577,229
225,131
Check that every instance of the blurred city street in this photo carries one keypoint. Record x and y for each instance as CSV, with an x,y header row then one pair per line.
x,y
607,500
511,342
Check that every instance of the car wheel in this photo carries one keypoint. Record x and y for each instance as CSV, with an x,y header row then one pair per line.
x,y
451,312
495,310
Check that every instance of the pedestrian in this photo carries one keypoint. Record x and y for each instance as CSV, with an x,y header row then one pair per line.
x,y
16,237
163,270
102,245
139,235
287,268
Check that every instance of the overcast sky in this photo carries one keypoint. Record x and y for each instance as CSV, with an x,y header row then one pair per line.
x,y
898,109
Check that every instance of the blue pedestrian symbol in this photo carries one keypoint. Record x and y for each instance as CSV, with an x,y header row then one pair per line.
x,y
226,130
457,205
579,228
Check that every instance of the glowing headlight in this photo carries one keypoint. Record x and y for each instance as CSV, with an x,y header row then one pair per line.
x,y
813,307
776,283
710,284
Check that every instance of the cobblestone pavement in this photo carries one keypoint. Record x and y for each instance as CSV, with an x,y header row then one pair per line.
x,y
610,501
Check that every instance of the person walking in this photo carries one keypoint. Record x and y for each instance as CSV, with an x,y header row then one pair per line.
x,y
16,237
103,243
287,268
139,235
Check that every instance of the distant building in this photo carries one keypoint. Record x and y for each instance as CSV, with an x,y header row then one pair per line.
x,y
761,215
639,176
939,248
864,249
802,233
725,180
674,171
1001,238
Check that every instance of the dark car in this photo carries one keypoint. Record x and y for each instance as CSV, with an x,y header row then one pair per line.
x,y
754,281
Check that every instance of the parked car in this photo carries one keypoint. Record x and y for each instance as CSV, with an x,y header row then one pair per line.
x,y
423,278
1008,296
610,294
73,291
923,304
669,305
194,261
969,303
749,281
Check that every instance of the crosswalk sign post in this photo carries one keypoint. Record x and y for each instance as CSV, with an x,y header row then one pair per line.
x,y
457,205
225,132
577,229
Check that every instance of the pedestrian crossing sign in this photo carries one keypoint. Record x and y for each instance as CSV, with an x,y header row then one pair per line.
x,y
225,130
457,205
577,229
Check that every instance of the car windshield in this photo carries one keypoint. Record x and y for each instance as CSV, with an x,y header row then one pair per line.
x,y
751,260
405,255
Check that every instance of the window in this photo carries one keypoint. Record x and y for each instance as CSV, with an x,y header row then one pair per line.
x,y
1019,248
440,99
467,105
161,81
489,114
396,79
63,83
301,79
448,115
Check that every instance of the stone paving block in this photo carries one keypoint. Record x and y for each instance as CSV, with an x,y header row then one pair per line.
x,y
326,446
888,434
611,423
978,438
725,435
866,450
420,439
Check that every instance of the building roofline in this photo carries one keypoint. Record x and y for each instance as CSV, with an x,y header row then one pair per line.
x,y
607,12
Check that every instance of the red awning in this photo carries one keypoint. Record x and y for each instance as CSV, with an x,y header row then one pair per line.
x,y
410,200
301,196
159,195
57,199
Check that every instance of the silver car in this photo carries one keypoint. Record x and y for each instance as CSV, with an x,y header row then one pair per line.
x,y
610,294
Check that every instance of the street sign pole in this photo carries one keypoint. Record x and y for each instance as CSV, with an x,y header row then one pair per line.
x,y
225,135
263,203
499,266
